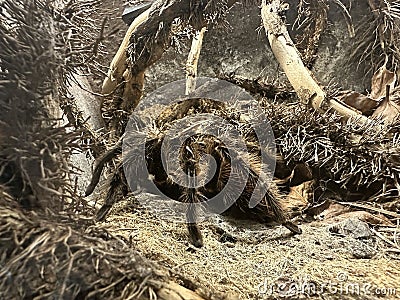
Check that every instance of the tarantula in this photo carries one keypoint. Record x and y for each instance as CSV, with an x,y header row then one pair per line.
x,y
202,157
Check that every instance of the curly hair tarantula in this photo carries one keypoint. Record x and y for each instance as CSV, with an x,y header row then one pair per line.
x,y
214,162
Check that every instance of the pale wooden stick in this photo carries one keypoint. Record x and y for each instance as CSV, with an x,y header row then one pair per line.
x,y
288,57
193,61
119,64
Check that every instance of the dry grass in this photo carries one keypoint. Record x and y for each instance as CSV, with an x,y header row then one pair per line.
x,y
260,255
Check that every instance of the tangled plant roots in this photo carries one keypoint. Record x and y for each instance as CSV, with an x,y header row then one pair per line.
x,y
46,259
356,162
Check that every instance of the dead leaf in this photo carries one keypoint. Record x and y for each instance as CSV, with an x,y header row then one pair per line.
x,y
333,211
362,216
380,80
388,111
298,198
337,212
359,101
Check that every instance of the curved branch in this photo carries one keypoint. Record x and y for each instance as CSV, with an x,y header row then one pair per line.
x,y
306,87
119,64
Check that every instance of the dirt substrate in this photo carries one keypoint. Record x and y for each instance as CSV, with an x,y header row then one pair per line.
x,y
255,261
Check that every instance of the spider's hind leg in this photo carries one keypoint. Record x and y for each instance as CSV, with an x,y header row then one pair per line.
x,y
292,227
272,199
260,196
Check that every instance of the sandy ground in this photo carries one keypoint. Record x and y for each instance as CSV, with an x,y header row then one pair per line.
x,y
256,261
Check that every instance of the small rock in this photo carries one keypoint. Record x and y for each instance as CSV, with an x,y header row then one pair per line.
x,y
352,227
362,251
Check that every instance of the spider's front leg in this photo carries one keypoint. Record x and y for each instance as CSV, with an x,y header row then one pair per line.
x,y
118,189
191,195
195,236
